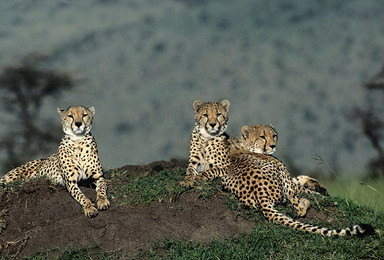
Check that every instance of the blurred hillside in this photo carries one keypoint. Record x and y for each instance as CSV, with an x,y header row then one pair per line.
x,y
296,64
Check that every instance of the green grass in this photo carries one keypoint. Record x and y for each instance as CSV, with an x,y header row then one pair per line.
x,y
369,193
145,189
266,241
161,187
273,241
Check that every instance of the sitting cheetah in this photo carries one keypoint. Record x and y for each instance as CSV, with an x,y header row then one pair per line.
x,y
77,159
210,145
262,181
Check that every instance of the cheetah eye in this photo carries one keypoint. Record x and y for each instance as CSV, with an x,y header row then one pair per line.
x,y
84,115
218,114
205,115
70,116
262,137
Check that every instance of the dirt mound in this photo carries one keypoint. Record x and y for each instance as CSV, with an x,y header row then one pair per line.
x,y
40,215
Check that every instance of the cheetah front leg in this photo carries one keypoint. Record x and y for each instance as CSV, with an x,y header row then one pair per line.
x,y
212,173
101,186
72,187
189,179
101,194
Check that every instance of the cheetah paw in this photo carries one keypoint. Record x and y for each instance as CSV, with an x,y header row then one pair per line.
x,y
303,207
102,204
201,177
90,211
187,183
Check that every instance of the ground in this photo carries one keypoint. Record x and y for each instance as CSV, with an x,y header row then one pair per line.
x,y
39,215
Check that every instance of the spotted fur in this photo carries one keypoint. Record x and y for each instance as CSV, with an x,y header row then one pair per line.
x,y
77,159
262,181
209,145
256,139
261,138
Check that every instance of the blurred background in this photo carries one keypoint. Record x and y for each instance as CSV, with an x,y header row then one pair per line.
x,y
313,69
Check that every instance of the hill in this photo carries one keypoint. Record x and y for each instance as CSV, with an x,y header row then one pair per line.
x,y
152,216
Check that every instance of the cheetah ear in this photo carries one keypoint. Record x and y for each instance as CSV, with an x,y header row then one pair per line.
x,y
197,104
225,103
92,109
60,111
271,125
245,131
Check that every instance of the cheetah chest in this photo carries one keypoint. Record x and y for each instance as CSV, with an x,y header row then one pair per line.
x,y
214,153
80,157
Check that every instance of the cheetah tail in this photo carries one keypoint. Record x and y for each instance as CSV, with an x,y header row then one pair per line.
x,y
360,230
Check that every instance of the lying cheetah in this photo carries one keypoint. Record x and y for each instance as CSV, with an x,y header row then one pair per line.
x,y
262,181
77,159
263,139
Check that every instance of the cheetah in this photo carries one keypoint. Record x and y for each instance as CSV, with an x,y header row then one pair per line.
x,y
261,138
261,181
209,145
77,159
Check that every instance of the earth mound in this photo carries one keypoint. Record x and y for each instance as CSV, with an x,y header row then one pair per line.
x,y
40,215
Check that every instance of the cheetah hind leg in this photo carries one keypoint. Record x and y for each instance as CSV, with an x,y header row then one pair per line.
x,y
310,184
301,205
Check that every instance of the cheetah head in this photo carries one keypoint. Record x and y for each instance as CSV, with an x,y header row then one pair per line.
x,y
211,117
259,138
77,120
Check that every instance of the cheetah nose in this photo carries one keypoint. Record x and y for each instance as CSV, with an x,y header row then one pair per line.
x,y
272,146
78,124
212,124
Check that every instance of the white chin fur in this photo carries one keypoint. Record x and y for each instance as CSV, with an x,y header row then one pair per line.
x,y
213,132
79,131
209,134
75,133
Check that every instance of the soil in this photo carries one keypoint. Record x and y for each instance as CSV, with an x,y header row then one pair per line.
x,y
40,215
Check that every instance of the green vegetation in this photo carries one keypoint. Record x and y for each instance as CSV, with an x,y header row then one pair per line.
x,y
145,189
271,241
369,193
161,187
266,241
